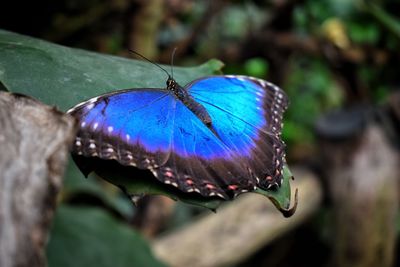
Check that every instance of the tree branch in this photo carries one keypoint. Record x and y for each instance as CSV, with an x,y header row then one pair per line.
x,y
34,142
218,239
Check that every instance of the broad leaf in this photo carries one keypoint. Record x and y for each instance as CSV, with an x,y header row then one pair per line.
x,y
281,197
63,77
83,236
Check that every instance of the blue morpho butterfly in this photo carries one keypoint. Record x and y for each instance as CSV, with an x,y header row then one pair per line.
x,y
217,136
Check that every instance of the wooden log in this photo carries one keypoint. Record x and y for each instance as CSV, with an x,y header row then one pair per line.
x,y
362,174
34,141
238,229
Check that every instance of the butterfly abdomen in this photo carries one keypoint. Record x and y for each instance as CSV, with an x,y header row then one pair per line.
x,y
198,110
194,106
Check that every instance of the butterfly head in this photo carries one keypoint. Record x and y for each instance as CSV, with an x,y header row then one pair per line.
x,y
174,87
171,84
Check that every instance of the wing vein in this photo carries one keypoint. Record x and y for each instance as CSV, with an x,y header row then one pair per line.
x,y
233,115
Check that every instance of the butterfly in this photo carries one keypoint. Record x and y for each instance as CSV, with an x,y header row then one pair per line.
x,y
218,136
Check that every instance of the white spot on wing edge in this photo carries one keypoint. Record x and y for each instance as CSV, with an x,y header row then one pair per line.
x,y
265,83
269,84
87,102
220,195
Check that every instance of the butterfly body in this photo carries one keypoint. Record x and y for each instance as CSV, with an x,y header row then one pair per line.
x,y
182,94
217,136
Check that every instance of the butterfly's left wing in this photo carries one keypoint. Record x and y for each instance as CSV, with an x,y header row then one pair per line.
x,y
132,126
247,114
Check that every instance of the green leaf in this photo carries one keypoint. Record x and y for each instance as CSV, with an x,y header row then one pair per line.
x,y
280,197
62,76
83,236
136,182
145,184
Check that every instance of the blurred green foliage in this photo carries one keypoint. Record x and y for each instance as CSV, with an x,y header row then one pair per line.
x,y
312,90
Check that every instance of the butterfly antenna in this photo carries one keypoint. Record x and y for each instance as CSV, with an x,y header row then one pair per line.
x,y
172,62
152,62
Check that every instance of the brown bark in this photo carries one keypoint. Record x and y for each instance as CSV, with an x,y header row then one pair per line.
x,y
362,176
34,141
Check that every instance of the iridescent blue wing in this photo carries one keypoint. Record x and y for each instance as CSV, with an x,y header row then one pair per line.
x,y
133,127
200,162
151,129
247,114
